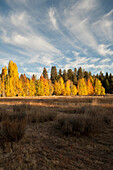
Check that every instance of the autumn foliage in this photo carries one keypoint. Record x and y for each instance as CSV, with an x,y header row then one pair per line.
x,y
13,85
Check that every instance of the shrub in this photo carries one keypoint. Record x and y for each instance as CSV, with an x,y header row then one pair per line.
x,y
88,120
13,127
40,117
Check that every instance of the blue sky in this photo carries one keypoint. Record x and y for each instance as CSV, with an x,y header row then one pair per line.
x,y
65,33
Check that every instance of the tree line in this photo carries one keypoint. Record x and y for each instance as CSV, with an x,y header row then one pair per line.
x,y
64,82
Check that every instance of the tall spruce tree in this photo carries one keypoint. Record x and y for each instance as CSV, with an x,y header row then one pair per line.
x,y
70,74
79,73
65,77
54,75
75,77
45,74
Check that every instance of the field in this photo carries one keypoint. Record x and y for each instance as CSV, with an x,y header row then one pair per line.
x,y
56,133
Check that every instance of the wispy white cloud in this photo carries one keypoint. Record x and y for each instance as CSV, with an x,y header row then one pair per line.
x,y
67,34
106,60
52,18
104,50
94,59
76,53
104,26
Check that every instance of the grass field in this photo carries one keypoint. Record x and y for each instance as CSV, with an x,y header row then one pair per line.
x,y
56,133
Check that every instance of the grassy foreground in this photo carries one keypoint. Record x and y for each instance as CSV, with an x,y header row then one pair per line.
x,y
56,133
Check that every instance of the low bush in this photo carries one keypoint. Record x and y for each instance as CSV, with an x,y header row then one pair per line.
x,y
40,117
88,120
12,127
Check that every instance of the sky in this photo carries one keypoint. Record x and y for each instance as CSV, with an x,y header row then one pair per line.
x,y
63,33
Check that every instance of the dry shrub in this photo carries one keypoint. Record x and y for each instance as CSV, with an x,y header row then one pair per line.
x,y
88,120
21,108
12,127
40,117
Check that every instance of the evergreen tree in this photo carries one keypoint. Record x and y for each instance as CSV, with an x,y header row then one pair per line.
x,y
86,75
79,73
70,74
60,72
65,77
53,74
107,86
111,85
45,74
75,77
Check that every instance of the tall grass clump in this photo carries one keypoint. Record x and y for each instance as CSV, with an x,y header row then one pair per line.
x,y
85,120
41,116
12,125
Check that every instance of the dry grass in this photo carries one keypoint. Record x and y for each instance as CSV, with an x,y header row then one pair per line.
x,y
13,128
40,117
85,120
45,147
13,124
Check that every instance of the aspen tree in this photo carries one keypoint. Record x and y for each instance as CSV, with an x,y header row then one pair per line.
x,y
82,88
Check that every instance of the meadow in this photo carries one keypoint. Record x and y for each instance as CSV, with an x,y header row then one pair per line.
x,y
57,132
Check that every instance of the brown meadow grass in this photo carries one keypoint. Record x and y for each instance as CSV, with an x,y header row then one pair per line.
x,y
56,132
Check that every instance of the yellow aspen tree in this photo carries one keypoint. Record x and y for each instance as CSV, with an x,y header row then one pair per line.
x,y
74,90
45,85
39,88
82,88
51,88
98,87
3,85
92,81
7,86
90,87
102,90
20,88
62,86
68,90
57,89
0,86
13,77
32,88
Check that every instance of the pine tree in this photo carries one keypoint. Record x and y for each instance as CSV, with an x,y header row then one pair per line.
x,y
65,77
75,77
45,74
70,74
79,73
53,74
106,85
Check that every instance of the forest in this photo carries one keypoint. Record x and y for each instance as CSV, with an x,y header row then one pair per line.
x,y
66,82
